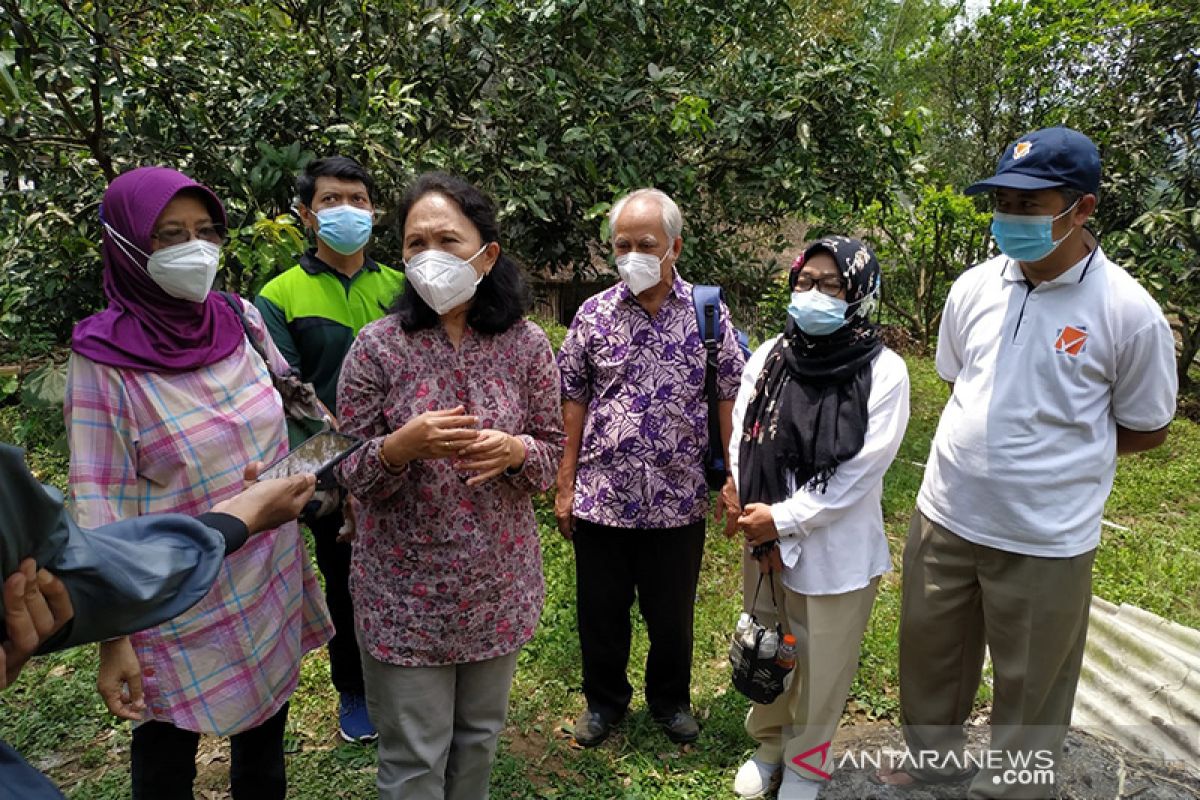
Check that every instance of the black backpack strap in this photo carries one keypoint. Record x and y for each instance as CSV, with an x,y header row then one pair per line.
x,y
707,301
711,365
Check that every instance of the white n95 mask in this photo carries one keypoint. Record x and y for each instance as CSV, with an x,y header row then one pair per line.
x,y
185,271
443,280
640,271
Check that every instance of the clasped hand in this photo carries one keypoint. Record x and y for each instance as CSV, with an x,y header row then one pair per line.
x,y
451,433
754,521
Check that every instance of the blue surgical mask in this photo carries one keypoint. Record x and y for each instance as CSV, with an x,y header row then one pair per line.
x,y
816,313
1025,238
345,229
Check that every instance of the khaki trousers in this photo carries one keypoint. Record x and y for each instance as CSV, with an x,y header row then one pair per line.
x,y
1030,612
829,631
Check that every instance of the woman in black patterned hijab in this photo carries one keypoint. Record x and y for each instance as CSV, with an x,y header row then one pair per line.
x,y
809,409
818,419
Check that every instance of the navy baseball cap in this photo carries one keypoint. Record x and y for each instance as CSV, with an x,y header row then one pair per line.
x,y
1051,158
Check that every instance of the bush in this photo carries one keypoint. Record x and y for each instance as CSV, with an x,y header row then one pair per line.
x,y
922,247
736,108
555,332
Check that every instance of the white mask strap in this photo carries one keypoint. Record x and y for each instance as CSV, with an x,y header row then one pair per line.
x,y
118,239
477,252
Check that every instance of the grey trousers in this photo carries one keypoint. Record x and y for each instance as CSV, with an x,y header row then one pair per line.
x,y
438,726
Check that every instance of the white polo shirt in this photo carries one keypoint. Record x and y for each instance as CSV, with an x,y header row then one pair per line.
x,y
1026,449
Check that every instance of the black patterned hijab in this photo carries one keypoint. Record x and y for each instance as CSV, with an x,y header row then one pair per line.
x,y
808,413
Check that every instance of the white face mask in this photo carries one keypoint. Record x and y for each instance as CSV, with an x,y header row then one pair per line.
x,y
641,271
443,280
184,271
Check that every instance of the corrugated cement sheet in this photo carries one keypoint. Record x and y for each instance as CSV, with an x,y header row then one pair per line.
x,y
1140,684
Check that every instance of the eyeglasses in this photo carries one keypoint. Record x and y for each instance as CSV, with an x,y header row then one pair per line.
x,y
214,234
831,286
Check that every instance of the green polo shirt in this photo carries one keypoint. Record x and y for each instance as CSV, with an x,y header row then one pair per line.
x,y
314,312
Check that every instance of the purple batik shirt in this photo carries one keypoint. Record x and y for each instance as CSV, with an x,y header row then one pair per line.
x,y
641,461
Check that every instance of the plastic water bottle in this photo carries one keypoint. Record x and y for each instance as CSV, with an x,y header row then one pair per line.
x,y
744,629
786,657
746,634
768,645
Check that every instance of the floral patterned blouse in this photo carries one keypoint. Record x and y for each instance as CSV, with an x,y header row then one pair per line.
x,y
442,572
641,460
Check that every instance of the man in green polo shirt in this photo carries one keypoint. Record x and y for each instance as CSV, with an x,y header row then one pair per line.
x,y
313,311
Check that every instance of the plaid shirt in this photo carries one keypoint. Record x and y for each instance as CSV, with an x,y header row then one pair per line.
x,y
156,442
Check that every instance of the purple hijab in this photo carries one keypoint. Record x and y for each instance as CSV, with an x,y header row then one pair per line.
x,y
144,327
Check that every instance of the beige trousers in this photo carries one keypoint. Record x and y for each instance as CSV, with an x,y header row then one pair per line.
x,y
829,631
1030,612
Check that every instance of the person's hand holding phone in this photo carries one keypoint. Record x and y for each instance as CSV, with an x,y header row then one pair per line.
x,y
432,435
264,505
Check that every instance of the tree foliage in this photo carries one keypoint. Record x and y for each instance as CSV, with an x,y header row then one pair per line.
x,y
925,245
1128,75
744,110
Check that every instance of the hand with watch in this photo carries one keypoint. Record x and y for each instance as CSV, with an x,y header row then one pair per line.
x,y
452,433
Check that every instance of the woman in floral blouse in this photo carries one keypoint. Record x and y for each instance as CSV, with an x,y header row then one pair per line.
x,y
458,397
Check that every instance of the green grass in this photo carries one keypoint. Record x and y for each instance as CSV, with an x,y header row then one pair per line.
x,y
54,716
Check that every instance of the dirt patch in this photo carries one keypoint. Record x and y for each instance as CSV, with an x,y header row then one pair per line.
x,y
1189,406
902,341
542,756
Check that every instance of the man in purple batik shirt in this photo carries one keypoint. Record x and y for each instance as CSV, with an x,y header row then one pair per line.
x,y
631,490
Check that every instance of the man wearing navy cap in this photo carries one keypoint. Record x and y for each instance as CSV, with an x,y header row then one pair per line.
x,y
1058,362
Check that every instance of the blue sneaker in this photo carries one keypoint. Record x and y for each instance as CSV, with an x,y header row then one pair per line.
x,y
353,723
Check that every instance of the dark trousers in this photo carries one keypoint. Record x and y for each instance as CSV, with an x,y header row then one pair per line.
x,y
333,559
661,566
164,761
19,781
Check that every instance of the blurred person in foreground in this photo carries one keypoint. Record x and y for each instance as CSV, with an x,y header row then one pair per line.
x,y
65,586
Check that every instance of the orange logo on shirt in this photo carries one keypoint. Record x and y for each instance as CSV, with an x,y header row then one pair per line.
x,y
1071,340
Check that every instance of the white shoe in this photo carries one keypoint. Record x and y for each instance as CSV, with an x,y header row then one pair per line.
x,y
756,778
794,787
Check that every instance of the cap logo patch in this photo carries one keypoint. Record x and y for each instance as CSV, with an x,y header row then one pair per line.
x,y
1021,150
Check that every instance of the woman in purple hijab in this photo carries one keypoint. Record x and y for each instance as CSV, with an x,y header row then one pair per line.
x,y
145,325
166,404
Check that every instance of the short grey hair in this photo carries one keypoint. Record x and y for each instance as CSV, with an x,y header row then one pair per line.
x,y
672,220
